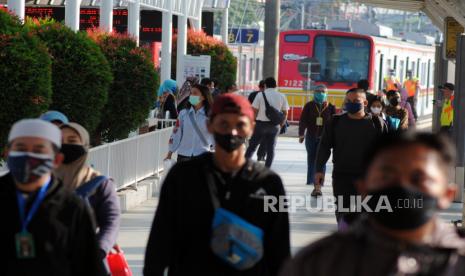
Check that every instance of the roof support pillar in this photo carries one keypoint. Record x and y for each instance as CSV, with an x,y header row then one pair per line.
x,y
106,15
17,7
166,37
181,48
72,11
134,19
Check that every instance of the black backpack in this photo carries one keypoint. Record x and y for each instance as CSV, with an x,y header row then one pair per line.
x,y
276,117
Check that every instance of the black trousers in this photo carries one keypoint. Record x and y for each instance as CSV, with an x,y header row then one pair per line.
x,y
344,189
182,158
265,133
413,103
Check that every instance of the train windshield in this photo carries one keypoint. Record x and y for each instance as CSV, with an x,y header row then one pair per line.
x,y
342,59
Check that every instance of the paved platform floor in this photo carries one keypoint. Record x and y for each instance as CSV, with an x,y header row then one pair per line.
x,y
306,227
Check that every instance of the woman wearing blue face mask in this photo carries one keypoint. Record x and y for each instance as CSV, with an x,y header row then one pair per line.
x,y
190,136
315,115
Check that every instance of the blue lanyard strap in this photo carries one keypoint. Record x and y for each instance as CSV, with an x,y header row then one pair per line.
x,y
25,220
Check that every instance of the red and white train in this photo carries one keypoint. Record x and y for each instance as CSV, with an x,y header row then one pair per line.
x,y
344,58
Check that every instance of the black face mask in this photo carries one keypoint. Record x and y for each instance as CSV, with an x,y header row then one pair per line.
x,y
72,152
229,142
394,101
417,208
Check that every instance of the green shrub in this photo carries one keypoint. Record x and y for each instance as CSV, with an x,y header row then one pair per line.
x,y
223,64
9,24
81,73
25,78
133,90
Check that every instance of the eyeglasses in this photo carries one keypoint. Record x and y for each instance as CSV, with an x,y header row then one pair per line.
x,y
320,91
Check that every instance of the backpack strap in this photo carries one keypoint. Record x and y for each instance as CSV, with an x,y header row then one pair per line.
x,y
379,124
88,188
267,104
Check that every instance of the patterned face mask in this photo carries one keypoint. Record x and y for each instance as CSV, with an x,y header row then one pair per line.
x,y
27,167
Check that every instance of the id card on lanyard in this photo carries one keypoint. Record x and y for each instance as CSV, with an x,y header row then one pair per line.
x,y
319,119
25,246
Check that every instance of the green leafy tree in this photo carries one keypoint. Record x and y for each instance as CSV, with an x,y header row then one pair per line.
x,y
25,75
223,64
81,73
133,90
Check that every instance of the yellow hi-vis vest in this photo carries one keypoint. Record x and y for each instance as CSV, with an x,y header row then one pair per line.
x,y
391,84
447,113
411,87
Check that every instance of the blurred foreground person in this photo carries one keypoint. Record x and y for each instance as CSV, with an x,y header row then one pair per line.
x,y
405,186
47,230
210,219
99,190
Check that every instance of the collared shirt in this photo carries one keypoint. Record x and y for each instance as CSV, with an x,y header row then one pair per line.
x,y
185,140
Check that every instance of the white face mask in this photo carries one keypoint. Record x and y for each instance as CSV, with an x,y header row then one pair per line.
x,y
376,110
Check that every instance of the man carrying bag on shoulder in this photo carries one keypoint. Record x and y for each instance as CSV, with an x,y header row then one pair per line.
x,y
271,109
212,216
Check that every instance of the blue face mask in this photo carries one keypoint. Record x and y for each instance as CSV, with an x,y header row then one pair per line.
x,y
194,100
353,108
27,167
320,97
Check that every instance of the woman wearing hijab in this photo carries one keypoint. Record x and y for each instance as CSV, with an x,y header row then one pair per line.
x,y
77,175
167,99
190,137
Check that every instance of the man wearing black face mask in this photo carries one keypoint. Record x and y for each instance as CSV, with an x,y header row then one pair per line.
x,y
349,136
47,230
181,235
410,171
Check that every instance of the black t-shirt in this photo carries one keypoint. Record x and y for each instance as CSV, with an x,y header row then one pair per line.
x,y
180,235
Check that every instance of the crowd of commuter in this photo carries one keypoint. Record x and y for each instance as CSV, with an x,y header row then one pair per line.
x,y
64,215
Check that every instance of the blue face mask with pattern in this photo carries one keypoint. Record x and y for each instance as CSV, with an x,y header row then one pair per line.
x,y
27,167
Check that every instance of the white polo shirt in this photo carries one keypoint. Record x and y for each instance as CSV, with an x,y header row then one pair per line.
x,y
275,99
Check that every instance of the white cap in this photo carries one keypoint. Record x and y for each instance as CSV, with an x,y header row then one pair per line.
x,y
36,128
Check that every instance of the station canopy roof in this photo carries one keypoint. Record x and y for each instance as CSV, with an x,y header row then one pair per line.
x,y
437,10
192,8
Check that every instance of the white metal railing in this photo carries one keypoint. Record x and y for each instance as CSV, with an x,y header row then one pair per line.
x,y
131,160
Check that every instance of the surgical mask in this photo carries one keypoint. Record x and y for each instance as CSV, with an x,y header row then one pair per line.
x,y
416,208
376,110
194,100
27,167
394,101
353,108
72,152
229,142
320,97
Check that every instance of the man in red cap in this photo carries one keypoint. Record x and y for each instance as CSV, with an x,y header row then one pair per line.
x,y
212,207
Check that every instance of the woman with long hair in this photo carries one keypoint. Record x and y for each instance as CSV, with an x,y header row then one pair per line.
x,y
190,137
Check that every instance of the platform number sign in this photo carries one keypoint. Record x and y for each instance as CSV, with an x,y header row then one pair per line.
x,y
243,36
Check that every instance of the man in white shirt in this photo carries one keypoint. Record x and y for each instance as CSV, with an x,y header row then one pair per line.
x,y
265,131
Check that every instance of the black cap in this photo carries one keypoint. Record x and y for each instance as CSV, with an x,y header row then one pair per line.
x,y
447,85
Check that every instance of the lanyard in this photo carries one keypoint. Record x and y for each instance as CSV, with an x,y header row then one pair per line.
x,y
25,220
318,110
